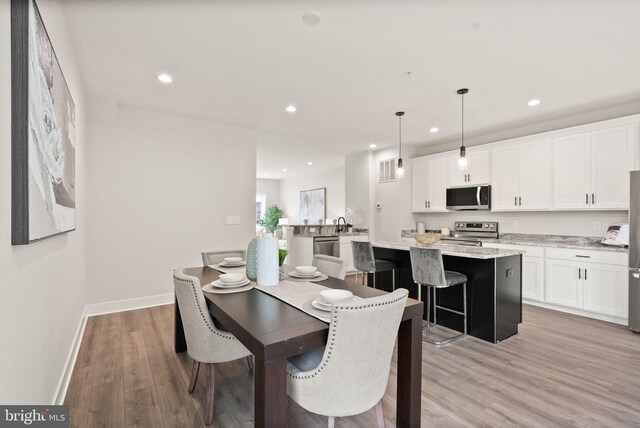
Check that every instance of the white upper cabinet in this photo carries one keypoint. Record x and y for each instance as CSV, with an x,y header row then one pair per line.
x,y
477,172
591,169
429,184
521,176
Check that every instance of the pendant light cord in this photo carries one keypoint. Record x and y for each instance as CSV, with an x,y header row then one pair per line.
x,y
462,120
400,137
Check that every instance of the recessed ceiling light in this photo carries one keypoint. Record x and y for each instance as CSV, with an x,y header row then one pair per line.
x,y
533,102
284,169
165,78
309,163
434,130
291,109
372,146
312,18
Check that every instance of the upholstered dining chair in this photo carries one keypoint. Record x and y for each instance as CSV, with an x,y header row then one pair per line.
x,y
427,268
214,257
331,266
206,344
365,262
349,376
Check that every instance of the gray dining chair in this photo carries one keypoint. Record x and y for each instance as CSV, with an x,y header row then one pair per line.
x,y
364,261
428,270
214,257
331,266
206,344
349,375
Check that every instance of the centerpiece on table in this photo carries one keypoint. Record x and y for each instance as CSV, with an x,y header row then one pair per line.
x,y
268,254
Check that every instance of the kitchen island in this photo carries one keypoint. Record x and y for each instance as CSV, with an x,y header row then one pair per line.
x,y
494,287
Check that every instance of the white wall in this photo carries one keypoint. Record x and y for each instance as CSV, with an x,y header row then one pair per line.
x,y
271,190
42,285
357,189
159,190
332,179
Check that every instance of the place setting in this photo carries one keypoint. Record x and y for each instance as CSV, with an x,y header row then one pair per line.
x,y
327,299
230,264
305,273
229,283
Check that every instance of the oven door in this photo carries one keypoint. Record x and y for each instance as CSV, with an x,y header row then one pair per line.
x,y
469,198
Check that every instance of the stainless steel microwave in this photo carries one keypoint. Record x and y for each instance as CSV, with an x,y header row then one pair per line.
x,y
469,198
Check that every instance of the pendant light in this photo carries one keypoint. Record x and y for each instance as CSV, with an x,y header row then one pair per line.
x,y
400,170
462,161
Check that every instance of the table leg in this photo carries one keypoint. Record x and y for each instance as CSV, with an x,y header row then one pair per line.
x,y
179,341
409,373
270,394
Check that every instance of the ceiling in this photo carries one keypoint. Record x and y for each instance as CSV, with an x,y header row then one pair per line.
x,y
242,62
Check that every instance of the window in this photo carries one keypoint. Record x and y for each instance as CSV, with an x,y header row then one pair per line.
x,y
387,170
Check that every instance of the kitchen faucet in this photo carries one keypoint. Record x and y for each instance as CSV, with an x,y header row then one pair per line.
x,y
339,227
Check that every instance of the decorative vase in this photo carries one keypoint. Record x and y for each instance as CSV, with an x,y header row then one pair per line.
x,y
281,270
268,272
252,259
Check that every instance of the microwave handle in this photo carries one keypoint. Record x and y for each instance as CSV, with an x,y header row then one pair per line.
x,y
478,195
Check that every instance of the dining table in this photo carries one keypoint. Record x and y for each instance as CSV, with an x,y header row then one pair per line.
x,y
273,331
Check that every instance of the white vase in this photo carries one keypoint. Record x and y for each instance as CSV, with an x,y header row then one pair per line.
x,y
268,271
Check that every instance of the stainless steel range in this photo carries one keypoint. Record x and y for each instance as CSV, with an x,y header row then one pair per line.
x,y
471,233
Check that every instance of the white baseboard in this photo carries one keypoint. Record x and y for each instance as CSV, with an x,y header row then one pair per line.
x,y
65,378
129,304
607,318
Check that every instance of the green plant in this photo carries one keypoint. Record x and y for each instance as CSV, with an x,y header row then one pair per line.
x,y
282,254
270,218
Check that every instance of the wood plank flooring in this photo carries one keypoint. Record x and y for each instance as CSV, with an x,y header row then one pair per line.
x,y
561,370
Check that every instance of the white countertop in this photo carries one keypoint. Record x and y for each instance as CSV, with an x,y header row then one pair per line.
x,y
451,250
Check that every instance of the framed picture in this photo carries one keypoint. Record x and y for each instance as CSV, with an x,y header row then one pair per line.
x,y
312,205
43,133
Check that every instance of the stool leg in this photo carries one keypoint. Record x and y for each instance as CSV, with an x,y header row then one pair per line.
x,y
374,279
428,310
393,280
356,276
419,292
435,302
464,305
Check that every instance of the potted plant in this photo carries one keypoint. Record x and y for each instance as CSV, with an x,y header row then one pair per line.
x,y
270,218
282,254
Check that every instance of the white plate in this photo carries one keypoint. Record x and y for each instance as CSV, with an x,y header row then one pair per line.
x,y
297,274
321,306
234,283
220,284
228,290
322,303
228,264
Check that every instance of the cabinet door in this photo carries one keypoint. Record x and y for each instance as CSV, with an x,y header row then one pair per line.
x,y
612,157
571,172
346,254
534,175
606,289
533,278
437,184
563,283
504,183
455,176
419,185
479,167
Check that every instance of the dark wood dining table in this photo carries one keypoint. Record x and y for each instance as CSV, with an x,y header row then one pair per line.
x,y
274,331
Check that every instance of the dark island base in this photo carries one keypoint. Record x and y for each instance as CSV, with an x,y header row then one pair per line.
x,y
494,292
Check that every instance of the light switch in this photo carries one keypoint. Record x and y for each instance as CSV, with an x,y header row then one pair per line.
x,y
233,219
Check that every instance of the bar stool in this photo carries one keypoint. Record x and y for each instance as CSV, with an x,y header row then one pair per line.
x,y
428,270
365,261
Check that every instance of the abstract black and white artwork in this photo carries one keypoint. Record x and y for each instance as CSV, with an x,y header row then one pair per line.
x,y
312,207
43,132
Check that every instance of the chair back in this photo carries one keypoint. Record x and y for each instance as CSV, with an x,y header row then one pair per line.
x,y
215,257
205,343
363,258
352,376
331,266
427,266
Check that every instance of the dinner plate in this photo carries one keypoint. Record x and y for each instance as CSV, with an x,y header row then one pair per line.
x,y
209,288
228,264
297,274
220,284
320,304
243,281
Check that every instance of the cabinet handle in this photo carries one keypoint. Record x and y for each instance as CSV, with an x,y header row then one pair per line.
x,y
579,273
587,198
520,200
585,274
515,201
425,204
469,175
593,198
429,204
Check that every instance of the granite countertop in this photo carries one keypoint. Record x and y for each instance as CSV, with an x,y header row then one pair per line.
x,y
452,250
310,231
554,241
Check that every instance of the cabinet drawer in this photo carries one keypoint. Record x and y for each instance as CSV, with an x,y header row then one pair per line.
x,y
529,250
590,256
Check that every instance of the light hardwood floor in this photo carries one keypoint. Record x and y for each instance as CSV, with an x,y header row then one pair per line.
x,y
560,370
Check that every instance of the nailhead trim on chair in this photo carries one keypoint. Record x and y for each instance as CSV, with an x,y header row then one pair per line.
x,y
334,322
195,296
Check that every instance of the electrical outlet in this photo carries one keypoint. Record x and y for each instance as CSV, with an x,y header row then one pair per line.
x,y
233,219
597,225
515,224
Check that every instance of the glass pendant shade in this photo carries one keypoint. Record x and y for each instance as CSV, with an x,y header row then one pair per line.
x,y
400,170
462,163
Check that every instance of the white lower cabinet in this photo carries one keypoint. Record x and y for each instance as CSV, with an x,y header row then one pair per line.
x,y
564,286
606,290
533,278
346,252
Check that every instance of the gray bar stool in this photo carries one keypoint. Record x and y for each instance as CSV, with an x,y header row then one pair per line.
x,y
428,270
365,261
